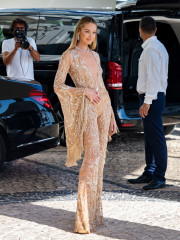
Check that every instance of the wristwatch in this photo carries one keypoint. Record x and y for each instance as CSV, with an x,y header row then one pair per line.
x,y
31,49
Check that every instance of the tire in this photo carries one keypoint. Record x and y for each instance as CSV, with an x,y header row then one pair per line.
x,y
168,129
59,113
2,152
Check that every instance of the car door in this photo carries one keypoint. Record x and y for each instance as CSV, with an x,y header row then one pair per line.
x,y
167,16
20,114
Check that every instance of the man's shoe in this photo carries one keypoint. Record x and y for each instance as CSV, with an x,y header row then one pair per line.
x,y
141,179
154,184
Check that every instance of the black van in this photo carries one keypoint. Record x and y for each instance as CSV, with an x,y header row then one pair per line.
x,y
119,46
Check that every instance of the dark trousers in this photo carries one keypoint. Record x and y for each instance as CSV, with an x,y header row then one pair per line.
x,y
155,142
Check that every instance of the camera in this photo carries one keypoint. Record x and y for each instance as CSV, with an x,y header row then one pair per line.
x,y
22,34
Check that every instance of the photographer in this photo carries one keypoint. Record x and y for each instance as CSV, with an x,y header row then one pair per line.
x,y
19,52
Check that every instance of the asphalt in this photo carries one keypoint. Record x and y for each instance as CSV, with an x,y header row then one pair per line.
x,y
38,195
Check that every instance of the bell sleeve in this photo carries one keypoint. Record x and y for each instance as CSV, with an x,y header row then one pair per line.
x,y
72,101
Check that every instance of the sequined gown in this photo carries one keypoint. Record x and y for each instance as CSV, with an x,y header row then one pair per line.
x,y
86,126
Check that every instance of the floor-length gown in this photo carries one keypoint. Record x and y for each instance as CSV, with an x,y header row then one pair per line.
x,y
86,126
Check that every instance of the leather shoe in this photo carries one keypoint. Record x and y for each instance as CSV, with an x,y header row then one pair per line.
x,y
154,184
141,179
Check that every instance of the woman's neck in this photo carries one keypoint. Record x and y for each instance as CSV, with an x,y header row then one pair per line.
x,y
82,46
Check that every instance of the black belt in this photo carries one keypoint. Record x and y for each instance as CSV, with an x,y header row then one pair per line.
x,y
142,95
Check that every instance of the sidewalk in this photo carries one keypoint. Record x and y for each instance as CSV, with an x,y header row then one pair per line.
x,y
126,220
38,196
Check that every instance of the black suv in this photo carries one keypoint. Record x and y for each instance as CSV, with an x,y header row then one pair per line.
x,y
119,46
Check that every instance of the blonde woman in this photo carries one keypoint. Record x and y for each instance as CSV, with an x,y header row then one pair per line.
x,y
88,119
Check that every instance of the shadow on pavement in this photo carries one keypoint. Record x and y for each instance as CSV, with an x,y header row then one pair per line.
x,y
65,220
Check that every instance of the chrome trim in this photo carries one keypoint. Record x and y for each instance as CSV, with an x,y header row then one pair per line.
x,y
114,84
124,4
44,140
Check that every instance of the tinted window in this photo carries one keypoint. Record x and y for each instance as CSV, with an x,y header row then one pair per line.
x,y
5,23
55,34
5,32
116,37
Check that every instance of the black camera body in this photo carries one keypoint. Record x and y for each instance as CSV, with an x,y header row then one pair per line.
x,y
20,34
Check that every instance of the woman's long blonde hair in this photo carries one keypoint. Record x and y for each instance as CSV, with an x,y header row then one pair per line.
x,y
80,24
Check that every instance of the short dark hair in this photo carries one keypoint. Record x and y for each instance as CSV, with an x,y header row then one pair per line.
x,y
18,21
148,24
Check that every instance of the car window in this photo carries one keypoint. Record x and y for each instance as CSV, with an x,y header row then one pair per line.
x,y
55,33
5,22
5,32
116,38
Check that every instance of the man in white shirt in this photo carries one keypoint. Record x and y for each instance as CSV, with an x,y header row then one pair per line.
x,y
17,55
151,86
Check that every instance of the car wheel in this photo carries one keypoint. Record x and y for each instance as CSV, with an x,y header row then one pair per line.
x,y
168,129
59,113
2,152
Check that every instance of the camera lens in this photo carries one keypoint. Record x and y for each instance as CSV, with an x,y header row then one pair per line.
x,y
24,43
18,33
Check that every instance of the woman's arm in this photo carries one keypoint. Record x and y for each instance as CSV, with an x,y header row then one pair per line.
x,y
63,69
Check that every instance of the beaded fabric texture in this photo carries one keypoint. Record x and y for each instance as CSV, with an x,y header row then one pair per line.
x,y
86,126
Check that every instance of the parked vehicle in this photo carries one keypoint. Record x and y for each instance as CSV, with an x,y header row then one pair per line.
x,y
119,46
28,123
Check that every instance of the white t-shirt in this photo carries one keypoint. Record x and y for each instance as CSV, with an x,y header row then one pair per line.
x,y
21,66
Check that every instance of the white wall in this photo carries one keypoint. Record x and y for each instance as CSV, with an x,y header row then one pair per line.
x,y
68,4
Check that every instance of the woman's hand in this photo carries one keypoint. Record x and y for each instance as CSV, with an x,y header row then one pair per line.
x,y
113,127
93,95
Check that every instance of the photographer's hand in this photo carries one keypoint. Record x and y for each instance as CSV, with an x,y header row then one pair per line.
x,y
17,45
8,56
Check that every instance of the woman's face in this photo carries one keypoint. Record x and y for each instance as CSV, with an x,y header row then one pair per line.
x,y
87,33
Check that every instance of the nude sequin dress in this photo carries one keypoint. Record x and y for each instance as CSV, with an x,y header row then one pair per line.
x,y
86,126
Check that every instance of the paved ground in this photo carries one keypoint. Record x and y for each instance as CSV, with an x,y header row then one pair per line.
x,y
38,196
